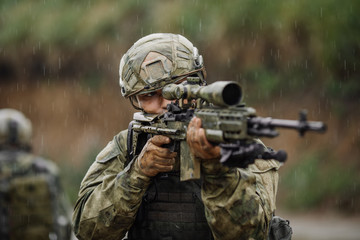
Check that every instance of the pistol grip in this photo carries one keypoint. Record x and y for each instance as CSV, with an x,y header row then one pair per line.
x,y
171,146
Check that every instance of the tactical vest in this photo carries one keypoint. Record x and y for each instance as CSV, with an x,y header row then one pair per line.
x,y
170,209
29,199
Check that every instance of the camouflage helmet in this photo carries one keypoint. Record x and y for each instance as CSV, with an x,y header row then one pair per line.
x,y
174,58
15,128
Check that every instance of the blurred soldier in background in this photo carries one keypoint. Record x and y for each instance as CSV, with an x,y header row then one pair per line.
x,y
31,201
138,191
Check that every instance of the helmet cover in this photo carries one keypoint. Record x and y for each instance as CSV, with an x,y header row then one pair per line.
x,y
172,58
15,128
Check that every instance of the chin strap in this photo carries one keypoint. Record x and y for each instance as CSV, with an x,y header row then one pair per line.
x,y
133,104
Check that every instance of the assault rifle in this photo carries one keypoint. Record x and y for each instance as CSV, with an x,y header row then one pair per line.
x,y
226,120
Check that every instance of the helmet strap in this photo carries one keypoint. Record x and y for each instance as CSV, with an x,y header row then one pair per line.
x,y
131,98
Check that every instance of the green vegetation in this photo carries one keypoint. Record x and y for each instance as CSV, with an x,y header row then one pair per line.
x,y
71,176
293,44
320,180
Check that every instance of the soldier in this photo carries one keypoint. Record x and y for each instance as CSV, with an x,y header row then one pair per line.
x,y
142,196
31,202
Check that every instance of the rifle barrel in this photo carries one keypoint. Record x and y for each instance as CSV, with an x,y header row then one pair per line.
x,y
310,126
302,126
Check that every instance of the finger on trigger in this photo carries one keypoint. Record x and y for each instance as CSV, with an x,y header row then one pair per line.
x,y
159,140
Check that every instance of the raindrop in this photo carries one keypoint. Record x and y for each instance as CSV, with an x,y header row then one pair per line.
x,y
42,142
228,62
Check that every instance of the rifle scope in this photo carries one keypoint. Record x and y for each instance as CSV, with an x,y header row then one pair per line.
x,y
221,93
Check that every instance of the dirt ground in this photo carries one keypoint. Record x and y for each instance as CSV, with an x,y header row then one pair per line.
x,y
322,226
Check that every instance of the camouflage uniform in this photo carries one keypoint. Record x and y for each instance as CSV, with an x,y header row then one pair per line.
x,y
31,202
116,197
31,209
238,202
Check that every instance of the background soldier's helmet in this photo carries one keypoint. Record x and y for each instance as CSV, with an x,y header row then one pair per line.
x,y
173,58
15,128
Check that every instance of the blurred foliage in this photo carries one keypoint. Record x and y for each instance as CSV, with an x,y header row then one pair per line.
x,y
293,45
72,176
320,180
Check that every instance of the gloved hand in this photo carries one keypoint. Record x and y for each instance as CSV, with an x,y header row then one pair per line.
x,y
154,159
199,145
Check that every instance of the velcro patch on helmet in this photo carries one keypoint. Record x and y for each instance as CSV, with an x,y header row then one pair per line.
x,y
155,70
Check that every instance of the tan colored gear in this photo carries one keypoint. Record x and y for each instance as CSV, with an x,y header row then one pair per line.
x,y
15,128
173,58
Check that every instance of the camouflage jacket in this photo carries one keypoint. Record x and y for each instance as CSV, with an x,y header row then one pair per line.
x,y
238,202
32,203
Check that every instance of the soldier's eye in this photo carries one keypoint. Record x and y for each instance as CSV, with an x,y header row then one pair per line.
x,y
150,94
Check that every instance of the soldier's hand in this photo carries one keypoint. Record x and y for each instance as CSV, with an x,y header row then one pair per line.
x,y
154,158
199,145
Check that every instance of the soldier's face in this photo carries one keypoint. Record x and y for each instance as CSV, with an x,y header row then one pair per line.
x,y
153,102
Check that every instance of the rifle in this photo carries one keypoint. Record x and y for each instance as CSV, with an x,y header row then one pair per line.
x,y
226,120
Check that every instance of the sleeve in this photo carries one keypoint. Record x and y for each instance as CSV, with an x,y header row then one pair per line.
x,y
110,194
239,202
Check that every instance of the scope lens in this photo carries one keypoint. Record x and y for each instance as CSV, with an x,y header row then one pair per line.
x,y
232,94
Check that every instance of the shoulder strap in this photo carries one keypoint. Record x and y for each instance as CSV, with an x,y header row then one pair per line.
x,y
130,151
135,142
